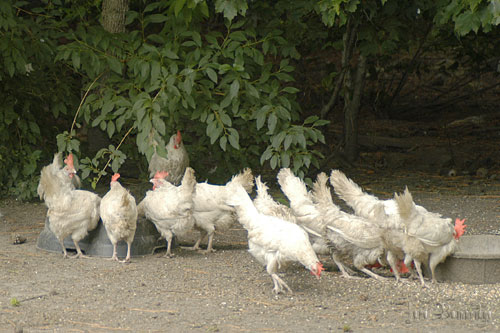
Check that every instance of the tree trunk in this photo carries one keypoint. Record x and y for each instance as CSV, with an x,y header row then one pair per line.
x,y
354,90
113,15
349,41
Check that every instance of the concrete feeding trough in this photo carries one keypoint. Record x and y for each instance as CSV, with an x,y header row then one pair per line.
x,y
475,261
97,244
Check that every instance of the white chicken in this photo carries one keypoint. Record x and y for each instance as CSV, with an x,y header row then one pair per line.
x,y
271,240
57,175
430,227
308,216
349,235
176,162
119,215
429,238
71,212
210,210
170,207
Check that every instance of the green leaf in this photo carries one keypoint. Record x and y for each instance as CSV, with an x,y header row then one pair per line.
x,y
285,159
75,58
287,142
158,18
272,120
310,119
211,74
277,140
110,128
223,143
115,65
251,90
274,162
178,5
234,138
233,90
291,90
266,155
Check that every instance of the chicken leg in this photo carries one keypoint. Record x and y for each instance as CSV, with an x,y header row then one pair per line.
x,y
279,284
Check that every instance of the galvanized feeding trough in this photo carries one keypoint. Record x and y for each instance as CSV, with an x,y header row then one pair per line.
x,y
97,244
475,261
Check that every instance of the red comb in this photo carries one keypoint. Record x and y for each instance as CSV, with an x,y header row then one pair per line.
x,y
115,177
459,228
69,160
161,174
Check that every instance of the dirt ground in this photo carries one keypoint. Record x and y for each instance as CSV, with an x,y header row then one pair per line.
x,y
228,291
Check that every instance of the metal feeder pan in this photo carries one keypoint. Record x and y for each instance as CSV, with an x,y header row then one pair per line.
x,y
97,244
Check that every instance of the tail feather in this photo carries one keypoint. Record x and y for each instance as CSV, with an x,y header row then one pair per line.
x,y
406,206
362,203
321,193
301,201
261,189
245,179
293,187
189,179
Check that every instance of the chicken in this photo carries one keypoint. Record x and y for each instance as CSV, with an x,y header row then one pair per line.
x,y
176,162
429,238
349,235
210,210
272,241
119,215
170,207
307,215
399,244
55,175
71,212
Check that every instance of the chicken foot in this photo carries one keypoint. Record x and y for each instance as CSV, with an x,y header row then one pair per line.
x,y
346,271
115,256
279,284
169,253
197,247
373,275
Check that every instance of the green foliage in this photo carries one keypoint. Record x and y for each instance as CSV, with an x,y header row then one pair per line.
x,y
14,302
470,15
229,87
33,89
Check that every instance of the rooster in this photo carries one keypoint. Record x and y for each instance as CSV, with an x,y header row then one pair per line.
x,y
170,207
271,240
210,210
398,244
71,212
176,162
119,216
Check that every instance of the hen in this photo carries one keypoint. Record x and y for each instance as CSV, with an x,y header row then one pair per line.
x,y
210,210
429,238
396,237
307,215
119,216
56,175
349,235
170,207
271,240
71,212
176,162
